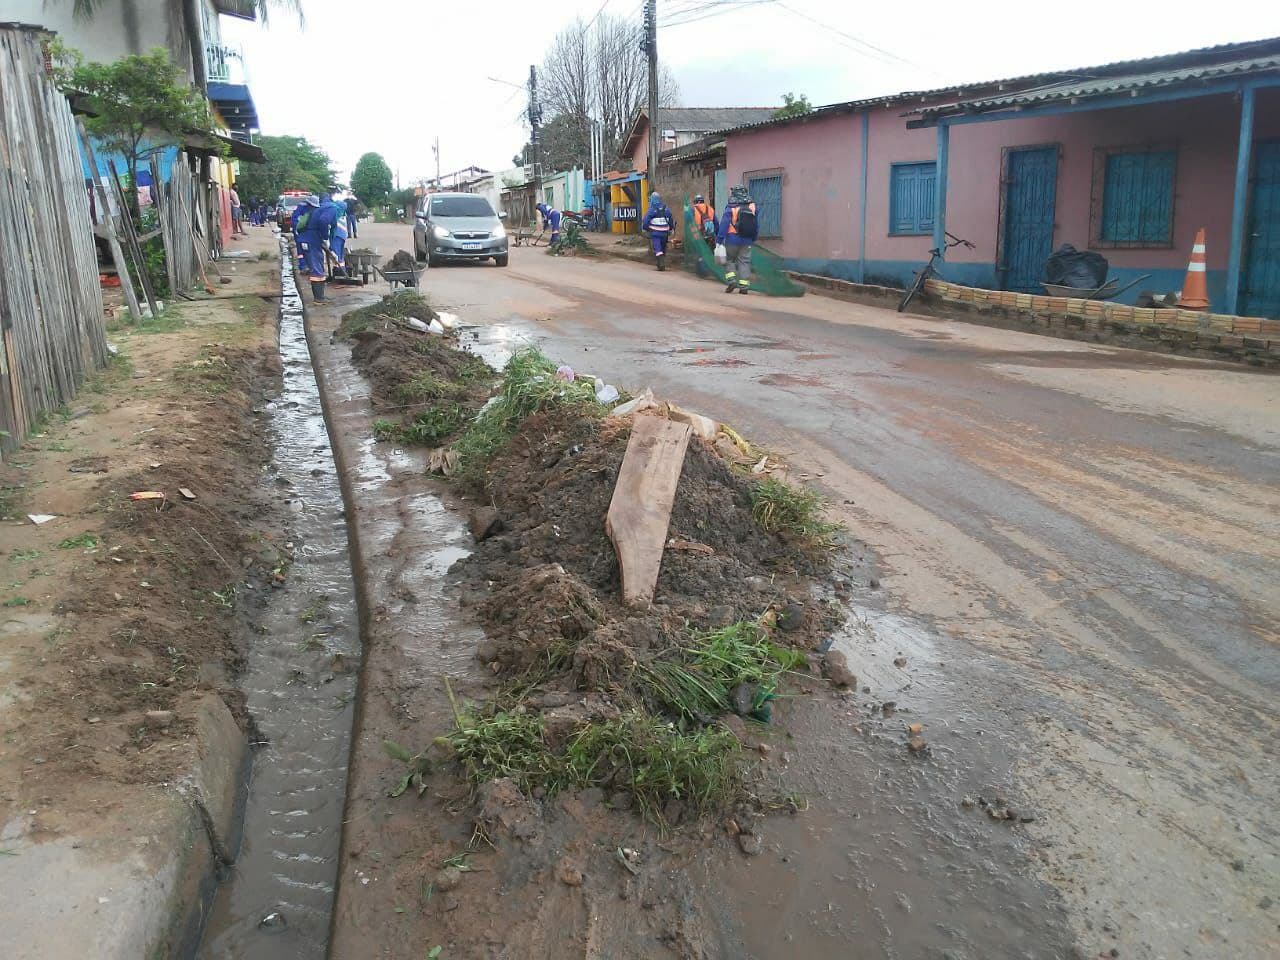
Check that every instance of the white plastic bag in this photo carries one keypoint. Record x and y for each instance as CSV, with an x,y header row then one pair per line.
x,y
606,393
722,255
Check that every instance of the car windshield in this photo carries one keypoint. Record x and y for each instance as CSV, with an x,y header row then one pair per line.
x,y
290,202
460,207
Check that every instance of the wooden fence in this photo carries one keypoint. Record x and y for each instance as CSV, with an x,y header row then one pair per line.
x,y
50,300
180,219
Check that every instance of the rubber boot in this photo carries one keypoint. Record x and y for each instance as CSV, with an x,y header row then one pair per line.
x,y
731,282
662,261
743,287
317,291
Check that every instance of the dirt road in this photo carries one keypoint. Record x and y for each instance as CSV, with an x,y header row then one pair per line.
x,y
1079,552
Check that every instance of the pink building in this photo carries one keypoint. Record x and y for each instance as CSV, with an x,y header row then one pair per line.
x,y
1128,159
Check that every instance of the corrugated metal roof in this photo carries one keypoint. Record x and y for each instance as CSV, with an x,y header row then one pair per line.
x,y
697,120
1215,55
1080,89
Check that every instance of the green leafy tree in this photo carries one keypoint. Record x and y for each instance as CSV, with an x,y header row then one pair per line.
x,y
135,104
793,106
371,180
292,163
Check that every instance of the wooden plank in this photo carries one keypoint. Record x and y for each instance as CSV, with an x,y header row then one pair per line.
x,y
640,510
117,253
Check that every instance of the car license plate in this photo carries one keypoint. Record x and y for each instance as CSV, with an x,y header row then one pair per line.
x,y
471,246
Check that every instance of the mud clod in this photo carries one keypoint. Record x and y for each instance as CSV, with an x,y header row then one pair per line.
x,y
836,669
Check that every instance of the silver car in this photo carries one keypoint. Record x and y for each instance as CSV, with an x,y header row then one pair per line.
x,y
458,226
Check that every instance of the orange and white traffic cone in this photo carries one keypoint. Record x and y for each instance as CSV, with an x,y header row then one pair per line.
x,y
1195,291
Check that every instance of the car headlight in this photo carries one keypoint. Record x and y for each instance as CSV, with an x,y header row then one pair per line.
x,y
441,233
498,232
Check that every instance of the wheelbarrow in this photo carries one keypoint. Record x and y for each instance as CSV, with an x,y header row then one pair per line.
x,y
401,278
1108,291
362,262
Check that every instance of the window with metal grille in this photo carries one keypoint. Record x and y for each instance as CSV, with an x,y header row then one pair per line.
x,y
767,193
911,198
1133,197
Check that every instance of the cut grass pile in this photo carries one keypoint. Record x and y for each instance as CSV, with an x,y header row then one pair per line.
x,y
529,384
430,428
400,305
792,511
666,746
641,755
697,683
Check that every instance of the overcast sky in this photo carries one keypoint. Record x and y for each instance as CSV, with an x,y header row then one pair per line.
x,y
392,75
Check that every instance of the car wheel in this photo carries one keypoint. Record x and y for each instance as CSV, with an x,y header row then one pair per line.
x,y
417,251
502,259
432,259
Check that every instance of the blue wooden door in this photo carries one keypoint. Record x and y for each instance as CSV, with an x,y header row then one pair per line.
x,y
1030,192
1260,286
767,193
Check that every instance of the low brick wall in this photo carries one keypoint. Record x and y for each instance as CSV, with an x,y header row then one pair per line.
x,y
1221,336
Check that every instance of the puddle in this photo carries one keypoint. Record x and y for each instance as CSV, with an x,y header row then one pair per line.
x,y
275,902
790,380
887,856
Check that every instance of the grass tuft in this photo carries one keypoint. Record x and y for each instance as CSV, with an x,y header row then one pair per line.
x,y
697,683
86,541
529,384
639,754
792,511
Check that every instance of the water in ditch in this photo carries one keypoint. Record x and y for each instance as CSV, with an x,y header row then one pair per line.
x,y
300,680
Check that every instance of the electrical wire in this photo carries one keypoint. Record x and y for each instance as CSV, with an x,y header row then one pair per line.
x,y
865,44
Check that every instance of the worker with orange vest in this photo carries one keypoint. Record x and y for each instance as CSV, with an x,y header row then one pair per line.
x,y
704,226
738,231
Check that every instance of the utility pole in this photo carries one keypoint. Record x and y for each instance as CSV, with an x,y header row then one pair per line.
x,y
436,150
650,47
535,118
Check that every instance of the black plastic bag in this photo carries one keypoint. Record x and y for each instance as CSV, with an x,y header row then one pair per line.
x,y
1069,267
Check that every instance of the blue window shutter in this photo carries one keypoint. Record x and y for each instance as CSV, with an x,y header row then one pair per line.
x,y
1137,197
767,194
912,189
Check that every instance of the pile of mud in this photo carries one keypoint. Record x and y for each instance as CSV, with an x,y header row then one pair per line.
x,y
551,487
424,387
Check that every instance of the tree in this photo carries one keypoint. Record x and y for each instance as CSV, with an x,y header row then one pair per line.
x,y
793,106
371,180
135,104
292,163
594,72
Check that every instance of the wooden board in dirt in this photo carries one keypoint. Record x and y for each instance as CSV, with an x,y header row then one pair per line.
x,y
640,511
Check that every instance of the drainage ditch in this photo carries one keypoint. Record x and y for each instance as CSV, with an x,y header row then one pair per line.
x,y
276,901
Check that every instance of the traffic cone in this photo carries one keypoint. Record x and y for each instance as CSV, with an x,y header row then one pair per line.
x,y
1195,292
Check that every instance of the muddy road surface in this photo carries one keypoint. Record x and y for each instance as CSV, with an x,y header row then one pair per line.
x,y
1075,593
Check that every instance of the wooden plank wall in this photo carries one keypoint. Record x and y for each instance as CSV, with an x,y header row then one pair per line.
x,y
50,300
179,221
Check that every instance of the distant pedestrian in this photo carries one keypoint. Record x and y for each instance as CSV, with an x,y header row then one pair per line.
x,y
704,227
551,217
738,232
237,224
352,218
657,224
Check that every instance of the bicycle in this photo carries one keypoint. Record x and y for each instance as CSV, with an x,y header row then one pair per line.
x,y
927,271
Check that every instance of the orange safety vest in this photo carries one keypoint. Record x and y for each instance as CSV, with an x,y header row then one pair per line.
x,y
733,216
702,212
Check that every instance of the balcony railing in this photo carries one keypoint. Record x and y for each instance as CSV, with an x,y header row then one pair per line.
x,y
218,59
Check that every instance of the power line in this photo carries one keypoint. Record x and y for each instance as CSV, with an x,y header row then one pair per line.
x,y
848,36
597,16
709,10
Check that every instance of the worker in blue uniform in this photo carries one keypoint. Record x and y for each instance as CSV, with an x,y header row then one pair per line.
x,y
657,225
738,232
551,217
314,237
298,221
